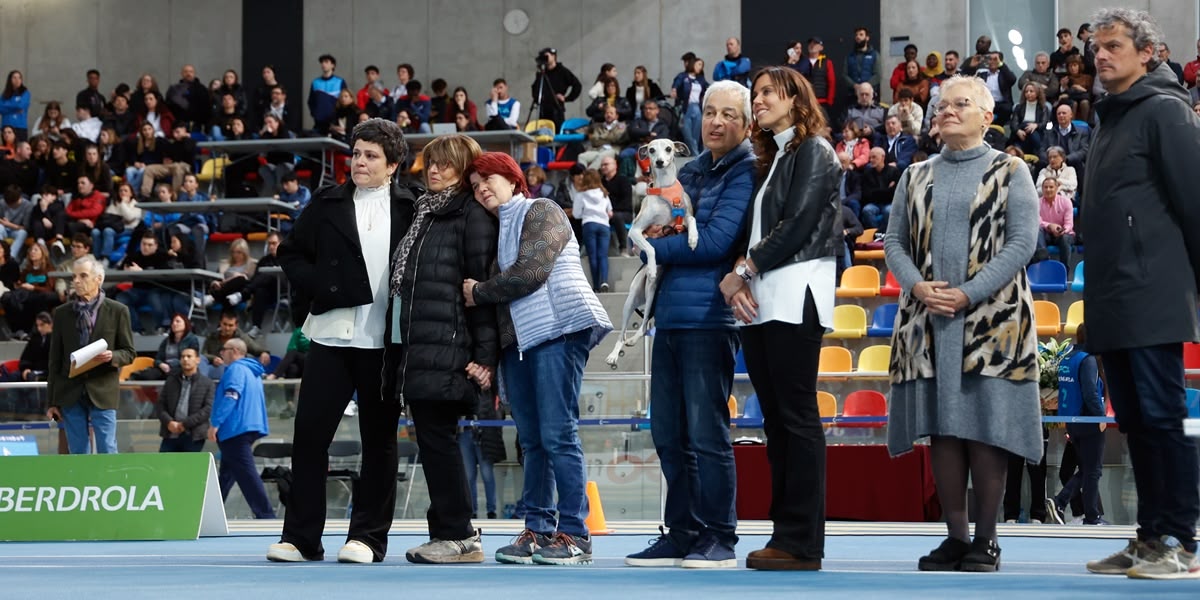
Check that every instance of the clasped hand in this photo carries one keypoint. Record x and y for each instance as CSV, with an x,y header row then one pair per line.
x,y
940,298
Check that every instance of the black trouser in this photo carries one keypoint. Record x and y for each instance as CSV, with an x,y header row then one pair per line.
x,y
264,290
781,359
39,231
292,365
1150,403
617,222
343,372
1037,487
1083,488
449,514
1071,481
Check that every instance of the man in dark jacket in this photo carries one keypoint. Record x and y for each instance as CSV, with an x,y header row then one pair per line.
x,y
695,346
863,64
189,100
1140,299
185,406
553,87
999,80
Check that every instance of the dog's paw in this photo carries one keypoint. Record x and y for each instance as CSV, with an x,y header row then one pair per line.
x,y
693,239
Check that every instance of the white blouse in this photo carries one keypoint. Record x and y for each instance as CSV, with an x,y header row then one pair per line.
x,y
780,291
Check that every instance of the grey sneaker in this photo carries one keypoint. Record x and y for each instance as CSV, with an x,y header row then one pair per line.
x,y
565,549
1054,514
1121,561
440,552
1173,563
520,551
254,332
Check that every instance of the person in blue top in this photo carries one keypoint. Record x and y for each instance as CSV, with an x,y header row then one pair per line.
x,y
695,345
1081,394
323,94
239,416
14,105
735,66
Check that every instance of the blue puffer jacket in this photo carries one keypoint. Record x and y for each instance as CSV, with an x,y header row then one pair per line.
x,y
689,295
240,405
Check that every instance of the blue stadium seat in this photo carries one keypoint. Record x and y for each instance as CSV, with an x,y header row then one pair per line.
x,y
1047,277
1193,403
739,362
1077,280
572,125
883,320
752,410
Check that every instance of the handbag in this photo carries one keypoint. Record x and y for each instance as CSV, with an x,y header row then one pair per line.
x,y
110,221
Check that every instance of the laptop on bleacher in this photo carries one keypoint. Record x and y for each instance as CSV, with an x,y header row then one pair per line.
x,y
443,128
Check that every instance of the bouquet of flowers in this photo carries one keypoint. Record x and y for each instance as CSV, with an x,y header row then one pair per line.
x,y
1050,353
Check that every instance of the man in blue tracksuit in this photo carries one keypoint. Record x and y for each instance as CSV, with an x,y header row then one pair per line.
x,y
735,66
1081,394
323,94
239,416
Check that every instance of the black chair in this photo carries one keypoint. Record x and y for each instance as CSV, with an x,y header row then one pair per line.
x,y
276,468
345,461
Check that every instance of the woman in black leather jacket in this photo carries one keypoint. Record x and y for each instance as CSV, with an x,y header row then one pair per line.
x,y
783,294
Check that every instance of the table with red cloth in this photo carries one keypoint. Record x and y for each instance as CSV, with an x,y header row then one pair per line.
x,y
862,483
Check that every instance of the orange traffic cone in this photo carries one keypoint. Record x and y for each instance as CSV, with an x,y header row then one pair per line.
x,y
595,519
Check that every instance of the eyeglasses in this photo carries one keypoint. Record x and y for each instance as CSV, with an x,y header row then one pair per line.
x,y
959,105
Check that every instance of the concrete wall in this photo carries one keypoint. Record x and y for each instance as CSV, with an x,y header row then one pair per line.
x,y
54,42
464,41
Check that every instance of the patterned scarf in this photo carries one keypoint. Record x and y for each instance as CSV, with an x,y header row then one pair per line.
x,y
85,316
429,202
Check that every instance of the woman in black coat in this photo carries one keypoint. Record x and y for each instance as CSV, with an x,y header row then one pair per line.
x,y
337,255
447,352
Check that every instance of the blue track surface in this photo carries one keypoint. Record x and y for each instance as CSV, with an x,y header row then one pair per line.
x,y
856,566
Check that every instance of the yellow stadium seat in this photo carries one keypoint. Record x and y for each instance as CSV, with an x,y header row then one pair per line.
x,y
834,359
859,281
827,405
849,323
1047,317
213,168
139,363
867,237
1074,317
875,359
537,124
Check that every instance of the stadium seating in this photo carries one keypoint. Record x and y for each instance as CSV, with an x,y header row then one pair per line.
x,y
865,403
1047,277
834,359
883,320
1074,317
849,322
1047,317
859,281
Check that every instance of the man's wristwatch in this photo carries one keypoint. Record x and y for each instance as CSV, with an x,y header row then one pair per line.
x,y
744,272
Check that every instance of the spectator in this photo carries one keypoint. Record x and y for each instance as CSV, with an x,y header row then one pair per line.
x,y
535,180
188,100
379,104
1084,34
605,138
607,71
1057,220
14,218
1066,49
146,293
1141,305
88,401
405,122
556,322
14,105
1191,69
863,65
951,62
899,145
159,116
1164,56
879,181
794,53
81,245
197,225
850,186
646,129
852,228
419,106
91,95
916,82
241,268
980,60
460,103
503,112
185,405
999,80
1029,119
137,96
735,66
48,219
908,111
977,412
239,417
292,364
111,151
264,97
1058,169
10,271
593,207
277,106
689,93
818,70
553,87
85,207
437,100
96,169
900,73
855,145
404,74
219,128
61,171
178,154
1081,394
463,124
169,358
87,126
687,59
345,116
122,205
121,119
363,95
1077,86
181,254
325,94
642,89
279,164
933,69
41,151
35,357
295,194
1063,133
865,113
32,294
612,97
262,289
1041,75
620,191
51,122
20,170
143,151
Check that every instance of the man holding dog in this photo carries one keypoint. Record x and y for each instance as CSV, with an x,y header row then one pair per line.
x,y
695,345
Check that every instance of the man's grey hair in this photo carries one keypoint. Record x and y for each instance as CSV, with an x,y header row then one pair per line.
x,y
91,264
1139,25
731,87
237,345
866,85
1056,150
1041,54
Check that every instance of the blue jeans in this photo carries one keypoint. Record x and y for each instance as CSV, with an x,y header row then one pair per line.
x,y
75,421
1062,242
473,457
18,237
689,126
543,389
134,176
595,239
183,443
103,242
689,422
876,217
237,464
157,300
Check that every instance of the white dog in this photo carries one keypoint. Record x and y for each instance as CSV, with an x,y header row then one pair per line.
x,y
667,205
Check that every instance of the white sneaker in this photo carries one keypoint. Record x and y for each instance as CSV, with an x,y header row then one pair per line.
x,y
356,552
351,409
1173,563
436,552
233,299
254,332
286,552
208,300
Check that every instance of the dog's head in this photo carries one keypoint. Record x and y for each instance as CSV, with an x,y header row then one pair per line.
x,y
661,153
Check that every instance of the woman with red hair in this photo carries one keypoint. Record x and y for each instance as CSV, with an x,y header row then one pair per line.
x,y
554,321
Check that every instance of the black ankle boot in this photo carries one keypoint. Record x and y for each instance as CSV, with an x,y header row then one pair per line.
x,y
984,556
945,557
